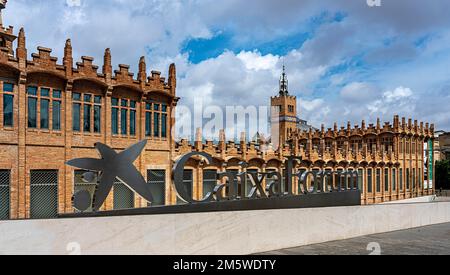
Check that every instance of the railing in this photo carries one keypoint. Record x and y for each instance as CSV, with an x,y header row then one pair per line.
x,y
443,193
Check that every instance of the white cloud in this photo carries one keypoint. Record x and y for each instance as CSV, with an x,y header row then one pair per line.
x,y
255,61
397,94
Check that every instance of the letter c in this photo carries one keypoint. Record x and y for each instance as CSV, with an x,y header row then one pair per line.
x,y
178,171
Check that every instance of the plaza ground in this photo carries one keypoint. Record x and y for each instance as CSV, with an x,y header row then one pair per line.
x,y
428,240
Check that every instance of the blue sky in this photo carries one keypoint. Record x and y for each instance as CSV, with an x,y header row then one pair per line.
x,y
346,61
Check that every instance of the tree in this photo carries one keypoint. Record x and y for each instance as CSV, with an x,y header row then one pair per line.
x,y
443,175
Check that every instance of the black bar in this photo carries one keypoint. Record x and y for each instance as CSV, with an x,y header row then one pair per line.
x,y
333,199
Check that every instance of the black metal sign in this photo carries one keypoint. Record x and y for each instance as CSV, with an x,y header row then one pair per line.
x,y
230,192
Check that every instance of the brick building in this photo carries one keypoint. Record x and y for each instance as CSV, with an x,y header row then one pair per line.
x,y
51,112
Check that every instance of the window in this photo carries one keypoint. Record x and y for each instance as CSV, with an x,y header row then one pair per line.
x,y
407,179
401,178
45,104
156,114
8,105
32,107
43,194
394,180
126,114
369,181
56,111
360,179
86,181
386,179
90,106
156,124
5,182
115,116
209,181
420,178
414,186
49,102
157,181
123,196
187,184
123,117
378,179
291,109
133,118
148,119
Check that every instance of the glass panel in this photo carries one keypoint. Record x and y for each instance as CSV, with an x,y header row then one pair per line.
x,y
148,124
148,106
187,184
45,103
8,101
164,126
8,87
133,104
98,99
386,180
401,179
97,118
76,116
394,180
124,102
115,121
164,108
76,96
407,179
157,182
132,123
369,181
56,94
209,181
87,118
360,179
123,122
115,101
56,115
88,98
156,107
32,112
32,91
45,92
378,179
156,124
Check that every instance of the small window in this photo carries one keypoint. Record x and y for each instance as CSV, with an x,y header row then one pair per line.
x,y
5,182
43,194
32,91
8,109
157,181
209,181
386,180
369,181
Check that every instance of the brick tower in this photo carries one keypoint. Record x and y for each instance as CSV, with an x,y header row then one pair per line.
x,y
285,118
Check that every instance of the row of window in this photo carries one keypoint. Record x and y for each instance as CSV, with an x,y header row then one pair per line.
x,y
412,180
44,112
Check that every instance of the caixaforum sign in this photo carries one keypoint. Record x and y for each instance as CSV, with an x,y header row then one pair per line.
x,y
238,191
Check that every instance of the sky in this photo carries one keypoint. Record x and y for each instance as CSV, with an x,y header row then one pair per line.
x,y
346,61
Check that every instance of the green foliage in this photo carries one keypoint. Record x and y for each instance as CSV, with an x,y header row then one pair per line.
x,y
443,174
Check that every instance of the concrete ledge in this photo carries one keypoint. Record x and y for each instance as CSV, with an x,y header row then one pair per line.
x,y
244,232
